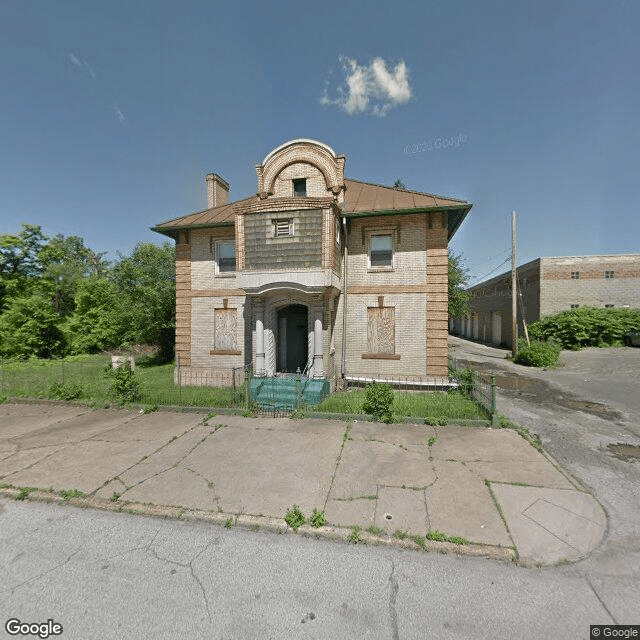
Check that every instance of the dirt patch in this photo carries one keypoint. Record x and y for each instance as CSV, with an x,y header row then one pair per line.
x,y
626,452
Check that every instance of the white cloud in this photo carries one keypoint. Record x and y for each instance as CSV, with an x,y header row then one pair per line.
x,y
119,114
373,89
81,64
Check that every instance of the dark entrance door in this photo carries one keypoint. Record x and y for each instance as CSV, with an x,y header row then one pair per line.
x,y
293,337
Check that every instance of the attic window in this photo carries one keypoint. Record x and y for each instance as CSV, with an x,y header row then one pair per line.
x,y
300,188
283,228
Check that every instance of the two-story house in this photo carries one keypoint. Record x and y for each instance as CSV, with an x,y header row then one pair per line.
x,y
317,272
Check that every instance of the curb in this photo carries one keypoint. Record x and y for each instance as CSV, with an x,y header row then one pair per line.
x,y
263,523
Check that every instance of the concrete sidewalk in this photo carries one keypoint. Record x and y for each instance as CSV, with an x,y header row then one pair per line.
x,y
489,486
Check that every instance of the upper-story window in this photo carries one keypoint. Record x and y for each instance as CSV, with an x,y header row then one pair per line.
x,y
300,187
575,275
381,251
609,275
225,257
283,228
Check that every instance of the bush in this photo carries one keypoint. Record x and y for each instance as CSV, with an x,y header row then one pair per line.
x,y
539,354
586,327
378,401
468,379
69,391
125,386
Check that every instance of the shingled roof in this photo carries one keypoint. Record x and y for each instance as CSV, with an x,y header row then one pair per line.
x,y
361,199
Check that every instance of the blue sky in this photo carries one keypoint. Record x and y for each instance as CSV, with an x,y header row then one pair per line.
x,y
113,112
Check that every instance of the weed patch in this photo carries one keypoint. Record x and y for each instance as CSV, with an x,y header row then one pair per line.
x,y
438,536
317,519
24,492
374,530
354,536
295,518
67,494
419,540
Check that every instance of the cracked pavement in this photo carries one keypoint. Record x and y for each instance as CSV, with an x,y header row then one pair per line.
x,y
109,575
489,486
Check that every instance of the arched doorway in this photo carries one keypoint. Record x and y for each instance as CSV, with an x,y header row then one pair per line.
x,y
293,338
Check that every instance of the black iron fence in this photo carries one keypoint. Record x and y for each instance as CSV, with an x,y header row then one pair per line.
x,y
465,395
479,387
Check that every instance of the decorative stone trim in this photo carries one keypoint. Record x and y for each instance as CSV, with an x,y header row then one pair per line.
x,y
225,352
381,356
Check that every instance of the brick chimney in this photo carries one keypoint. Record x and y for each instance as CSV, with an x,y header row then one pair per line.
x,y
217,190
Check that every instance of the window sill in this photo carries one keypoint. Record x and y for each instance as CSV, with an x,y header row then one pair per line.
x,y
226,274
379,269
225,352
381,356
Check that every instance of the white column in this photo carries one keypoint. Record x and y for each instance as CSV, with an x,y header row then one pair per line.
x,y
259,316
318,347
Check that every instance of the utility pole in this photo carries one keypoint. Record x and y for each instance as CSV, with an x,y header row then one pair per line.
x,y
514,298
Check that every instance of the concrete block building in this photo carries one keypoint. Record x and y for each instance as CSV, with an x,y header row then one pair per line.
x,y
548,286
336,277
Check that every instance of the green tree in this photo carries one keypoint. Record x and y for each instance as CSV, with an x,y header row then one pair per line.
x,y
97,323
147,295
29,327
458,280
65,262
19,262
19,253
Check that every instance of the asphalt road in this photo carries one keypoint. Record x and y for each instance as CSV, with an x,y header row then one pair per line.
x,y
112,575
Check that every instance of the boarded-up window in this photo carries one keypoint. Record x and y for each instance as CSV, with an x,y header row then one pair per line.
x,y
225,329
381,330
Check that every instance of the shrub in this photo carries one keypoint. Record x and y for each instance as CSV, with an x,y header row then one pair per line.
x,y
468,380
69,391
586,327
378,401
539,354
125,386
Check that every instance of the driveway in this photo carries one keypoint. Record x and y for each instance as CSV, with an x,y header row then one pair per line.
x,y
587,414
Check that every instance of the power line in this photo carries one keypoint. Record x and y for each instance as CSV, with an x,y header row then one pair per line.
x,y
476,280
498,255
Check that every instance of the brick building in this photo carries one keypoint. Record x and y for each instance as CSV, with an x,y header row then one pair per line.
x,y
343,278
548,286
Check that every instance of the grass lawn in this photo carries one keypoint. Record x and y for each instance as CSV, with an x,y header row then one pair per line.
x,y
86,375
421,404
